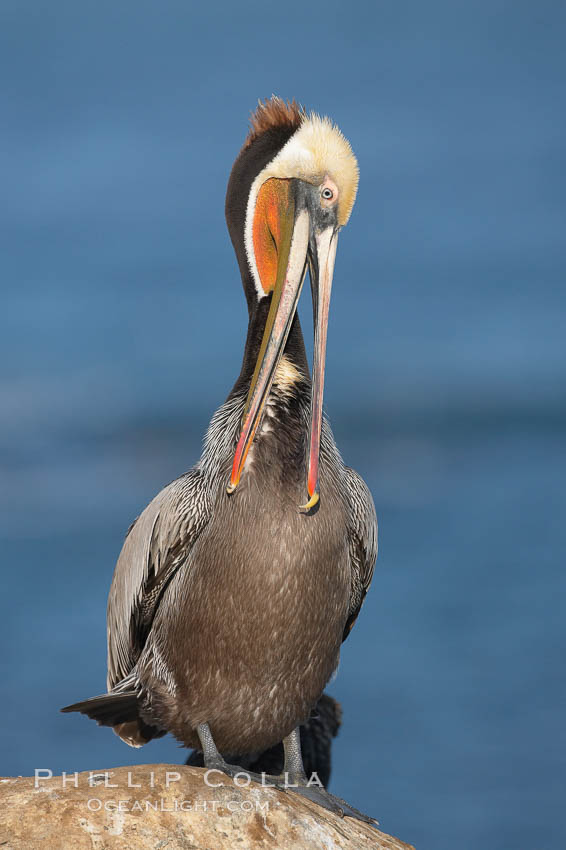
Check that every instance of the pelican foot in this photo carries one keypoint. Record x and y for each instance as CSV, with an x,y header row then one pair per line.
x,y
298,785
334,804
292,779
284,782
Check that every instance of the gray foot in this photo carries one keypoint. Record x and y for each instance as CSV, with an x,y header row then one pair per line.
x,y
334,804
297,785
292,779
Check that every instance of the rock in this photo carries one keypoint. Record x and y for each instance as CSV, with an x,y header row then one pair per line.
x,y
166,807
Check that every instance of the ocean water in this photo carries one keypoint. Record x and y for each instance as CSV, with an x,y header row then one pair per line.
x,y
122,328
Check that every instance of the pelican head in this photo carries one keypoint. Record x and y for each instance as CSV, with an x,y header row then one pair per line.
x,y
291,190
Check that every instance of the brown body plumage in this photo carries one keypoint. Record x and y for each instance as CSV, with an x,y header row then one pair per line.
x,y
261,603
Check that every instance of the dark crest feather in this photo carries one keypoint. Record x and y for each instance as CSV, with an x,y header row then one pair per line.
x,y
274,113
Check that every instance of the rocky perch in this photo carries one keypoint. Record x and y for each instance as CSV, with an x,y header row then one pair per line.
x,y
165,807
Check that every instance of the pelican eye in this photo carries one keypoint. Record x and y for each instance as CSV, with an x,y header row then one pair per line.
x,y
327,194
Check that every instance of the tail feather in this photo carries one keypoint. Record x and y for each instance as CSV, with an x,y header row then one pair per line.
x,y
108,709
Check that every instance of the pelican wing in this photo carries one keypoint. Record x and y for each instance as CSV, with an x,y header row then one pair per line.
x,y
156,546
363,543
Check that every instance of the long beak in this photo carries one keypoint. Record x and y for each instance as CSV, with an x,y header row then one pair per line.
x,y
290,276
321,279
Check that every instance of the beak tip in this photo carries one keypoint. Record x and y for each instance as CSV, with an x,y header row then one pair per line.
x,y
312,502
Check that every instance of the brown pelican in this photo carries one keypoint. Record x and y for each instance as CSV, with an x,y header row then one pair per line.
x,y
237,584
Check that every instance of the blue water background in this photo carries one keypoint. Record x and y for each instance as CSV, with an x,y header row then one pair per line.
x,y
122,325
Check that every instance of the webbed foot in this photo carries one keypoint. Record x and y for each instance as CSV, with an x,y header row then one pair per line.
x,y
292,779
334,804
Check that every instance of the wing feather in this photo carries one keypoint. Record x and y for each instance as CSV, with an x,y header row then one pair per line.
x,y
156,546
363,543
